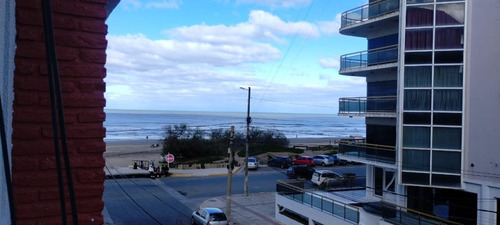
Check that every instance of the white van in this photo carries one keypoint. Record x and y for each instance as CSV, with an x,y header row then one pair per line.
x,y
320,175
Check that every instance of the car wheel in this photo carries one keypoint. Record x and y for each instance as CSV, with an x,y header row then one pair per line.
x,y
323,164
192,221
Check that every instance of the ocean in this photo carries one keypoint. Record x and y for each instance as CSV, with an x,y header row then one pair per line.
x,y
139,124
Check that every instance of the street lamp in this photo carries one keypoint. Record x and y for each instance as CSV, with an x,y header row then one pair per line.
x,y
249,120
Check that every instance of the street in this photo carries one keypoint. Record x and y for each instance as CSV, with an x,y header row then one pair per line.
x,y
171,200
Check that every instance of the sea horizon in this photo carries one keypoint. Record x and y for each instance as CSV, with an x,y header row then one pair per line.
x,y
126,124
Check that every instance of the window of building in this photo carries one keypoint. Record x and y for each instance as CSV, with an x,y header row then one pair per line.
x,y
418,39
445,180
448,100
454,119
447,138
415,178
416,160
416,118
418,57
418,76
416,137
419,16
449,38
417,100
448,76
446,161
450,14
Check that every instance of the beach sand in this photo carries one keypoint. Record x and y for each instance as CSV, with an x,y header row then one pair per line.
x,y
123,153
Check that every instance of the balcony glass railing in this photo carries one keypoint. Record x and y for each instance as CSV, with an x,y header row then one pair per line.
x,y
295,191
368,11
362,105
372,152
401,215
370,57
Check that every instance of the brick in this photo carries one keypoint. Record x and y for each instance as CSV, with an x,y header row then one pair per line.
x,y
26,132
32,116
26,163
30,16
25,195
31,83
91,146
94,26
26,98
90,205
26,66
87,71
81,39
89,190
66,53
80,131
40,209
89,161
91,117
91,176
30,33
30,49
93,56
22,147
93,100
91,218
36,179
92,86
81,9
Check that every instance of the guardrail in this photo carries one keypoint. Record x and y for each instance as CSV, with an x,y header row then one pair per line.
x,y
373,152
295,191
368,11
401,215
372,57
374,104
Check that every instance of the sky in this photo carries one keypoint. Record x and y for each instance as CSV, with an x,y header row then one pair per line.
x,y
195,55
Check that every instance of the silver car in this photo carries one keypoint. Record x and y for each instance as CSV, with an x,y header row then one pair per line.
x,y
212,216
253,164
323,160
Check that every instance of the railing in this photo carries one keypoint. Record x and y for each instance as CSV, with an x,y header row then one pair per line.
x,y
401,215
373,152
372,57
368,11
360,105
294,190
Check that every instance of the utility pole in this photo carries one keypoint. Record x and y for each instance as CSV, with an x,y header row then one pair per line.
x,y
249,120
230,168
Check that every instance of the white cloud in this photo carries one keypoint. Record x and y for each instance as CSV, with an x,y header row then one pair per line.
x,y
260,26
162,4
329,63
330,27
277,3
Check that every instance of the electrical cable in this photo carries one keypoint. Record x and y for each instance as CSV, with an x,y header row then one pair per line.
x,y
6,164
57,109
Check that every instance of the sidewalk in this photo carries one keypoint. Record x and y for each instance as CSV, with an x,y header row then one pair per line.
x,y
257,208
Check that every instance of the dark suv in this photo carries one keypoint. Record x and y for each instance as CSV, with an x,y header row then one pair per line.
x,y
297,171
280,161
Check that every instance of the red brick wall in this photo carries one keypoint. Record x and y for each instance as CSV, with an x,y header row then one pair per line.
x,y
80,31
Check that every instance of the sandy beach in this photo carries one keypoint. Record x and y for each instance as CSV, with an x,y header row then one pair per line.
x,y
123,153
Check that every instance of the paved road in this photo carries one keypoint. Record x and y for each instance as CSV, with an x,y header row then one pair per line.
x,y
171,200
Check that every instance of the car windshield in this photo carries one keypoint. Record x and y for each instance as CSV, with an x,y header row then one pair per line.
x,y
251,160
217,217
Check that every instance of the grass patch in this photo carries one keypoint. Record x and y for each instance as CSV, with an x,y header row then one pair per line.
x,y
258,151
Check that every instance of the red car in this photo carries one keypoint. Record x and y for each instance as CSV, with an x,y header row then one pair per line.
x,y
304,160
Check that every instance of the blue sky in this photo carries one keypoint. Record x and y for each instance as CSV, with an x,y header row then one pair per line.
x,y
194,55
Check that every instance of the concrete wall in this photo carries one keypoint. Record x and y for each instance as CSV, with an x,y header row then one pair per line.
x,y
7,51
80,33
482,93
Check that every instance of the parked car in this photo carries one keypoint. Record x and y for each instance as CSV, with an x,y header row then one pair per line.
x,y
304,160
321,175
323,160
280,161
338,161
212,216
300,171
253,164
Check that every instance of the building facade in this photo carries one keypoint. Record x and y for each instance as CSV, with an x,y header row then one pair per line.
x,y
432,140
29,163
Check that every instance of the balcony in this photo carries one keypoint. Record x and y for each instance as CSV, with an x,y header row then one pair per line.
x,y
364,63
372,154
377,15
342,206
376,106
